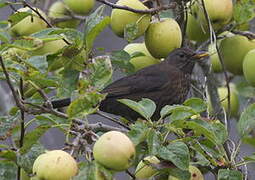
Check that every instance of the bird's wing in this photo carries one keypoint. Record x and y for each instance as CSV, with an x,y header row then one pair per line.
x,y
146,80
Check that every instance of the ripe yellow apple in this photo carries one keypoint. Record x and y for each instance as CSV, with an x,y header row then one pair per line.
x,y
121,18
233,49
195,31
216,65
195,174
144,171
249,67
234,102
29,24
55,165
49,47
58,10
162,37
140,61
114,150
82,7
219,11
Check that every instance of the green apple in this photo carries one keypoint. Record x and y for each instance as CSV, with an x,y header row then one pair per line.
x,y
162,37
121,18
82,7
49,47
55,165
29,24
195,174
114,150
214,57
233,49
145,171
140,61
219,11
234,102
195,31
249,67
59,10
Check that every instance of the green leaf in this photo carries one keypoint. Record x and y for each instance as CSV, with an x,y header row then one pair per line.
x,y
226,174
8,155
74,58
145,107
167,14
68,82
249,140
177,153
201,160
39,63
138,132
178,173
244,11
122,60
43,80
220,131
100,72
49,119
153,142
85,105
250,158
4,25
198,105
3,3
27,43
208,152
246,122
203,128
26,161
5,37
246,90
17,17
131,31
87,171
104,173
7,170
92,171
7,123
32,138
178,112
95,24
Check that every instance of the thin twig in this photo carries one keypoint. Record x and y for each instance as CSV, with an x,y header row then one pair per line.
x,y
22,126
248,34
8,80
146,11
104,127
44,19
213,90
112,119
130,174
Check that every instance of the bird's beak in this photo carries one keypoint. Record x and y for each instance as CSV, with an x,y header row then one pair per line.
x,y
201,54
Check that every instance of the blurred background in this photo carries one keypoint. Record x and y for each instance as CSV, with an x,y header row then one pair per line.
x,y
54,139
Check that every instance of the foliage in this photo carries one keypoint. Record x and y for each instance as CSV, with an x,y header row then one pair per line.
x,y
184,134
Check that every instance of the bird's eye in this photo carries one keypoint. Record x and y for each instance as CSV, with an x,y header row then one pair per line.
x,y
181,55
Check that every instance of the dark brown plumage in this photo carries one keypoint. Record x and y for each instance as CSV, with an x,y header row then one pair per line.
x,y
165,83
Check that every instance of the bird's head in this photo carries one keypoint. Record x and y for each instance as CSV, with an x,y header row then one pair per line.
x,y
185,58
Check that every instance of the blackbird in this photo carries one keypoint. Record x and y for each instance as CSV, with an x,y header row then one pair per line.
x,y
166,83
